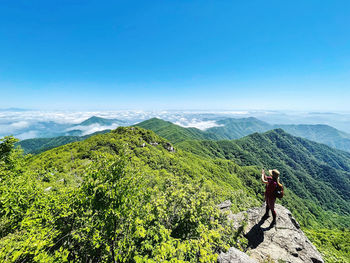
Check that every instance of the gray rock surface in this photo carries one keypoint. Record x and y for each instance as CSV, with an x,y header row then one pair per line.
x,y
235,255
225,205
285,241
169,147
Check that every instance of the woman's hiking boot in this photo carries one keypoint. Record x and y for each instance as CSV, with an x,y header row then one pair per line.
x,y
265,216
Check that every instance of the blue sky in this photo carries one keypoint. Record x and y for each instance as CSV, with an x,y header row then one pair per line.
x,y
106,55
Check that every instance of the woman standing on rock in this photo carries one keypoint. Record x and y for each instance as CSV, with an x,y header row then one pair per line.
x,y
271,182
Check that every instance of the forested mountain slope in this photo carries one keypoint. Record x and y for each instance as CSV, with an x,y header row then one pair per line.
x,y
238,128
77,201
38,145
320,133
165,129
71,133
101,121
316,173
227,129
127,195
176,133
232,128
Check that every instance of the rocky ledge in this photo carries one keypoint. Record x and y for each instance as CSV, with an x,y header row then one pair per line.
x,y
283,242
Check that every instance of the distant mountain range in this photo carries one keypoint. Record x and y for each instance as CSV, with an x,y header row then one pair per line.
x,y
230,128
101,121
176,133
60,134
47,129
238,128
227,129
320,133
93,124
306,166
38,145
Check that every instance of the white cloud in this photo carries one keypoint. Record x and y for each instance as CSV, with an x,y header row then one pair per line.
x,y
202,125
93,128
27,135
19,125
24,123
13,128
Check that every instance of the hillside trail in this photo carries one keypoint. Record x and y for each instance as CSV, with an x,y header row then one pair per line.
x,y
284,242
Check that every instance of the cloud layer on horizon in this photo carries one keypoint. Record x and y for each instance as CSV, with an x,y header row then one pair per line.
x,y
92,128
195,123
31,124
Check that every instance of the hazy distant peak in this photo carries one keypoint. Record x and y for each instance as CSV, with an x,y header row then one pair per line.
x,y
98,120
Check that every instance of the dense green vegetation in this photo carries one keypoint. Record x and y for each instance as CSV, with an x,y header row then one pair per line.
x,y
165,129
176,133
320,133
122,196
316,178
38,145
228,129
334,244
130,195
231,128
238,128
318,175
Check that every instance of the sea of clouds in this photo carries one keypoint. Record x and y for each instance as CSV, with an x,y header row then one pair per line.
x,y
33,124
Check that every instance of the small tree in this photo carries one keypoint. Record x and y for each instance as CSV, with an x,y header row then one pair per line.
x,y
6,147
105,205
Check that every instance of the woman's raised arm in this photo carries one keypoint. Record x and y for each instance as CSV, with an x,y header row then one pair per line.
x,y
263,176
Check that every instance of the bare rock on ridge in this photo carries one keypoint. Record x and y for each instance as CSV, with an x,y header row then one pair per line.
x,y
284,242
225,205
235,255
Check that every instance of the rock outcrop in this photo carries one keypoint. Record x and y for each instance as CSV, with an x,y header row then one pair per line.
x,y
235,255
283,242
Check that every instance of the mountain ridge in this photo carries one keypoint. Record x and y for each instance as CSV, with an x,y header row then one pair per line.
x,y
71,134
172,172
173,132
236,128
99,120
305,166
